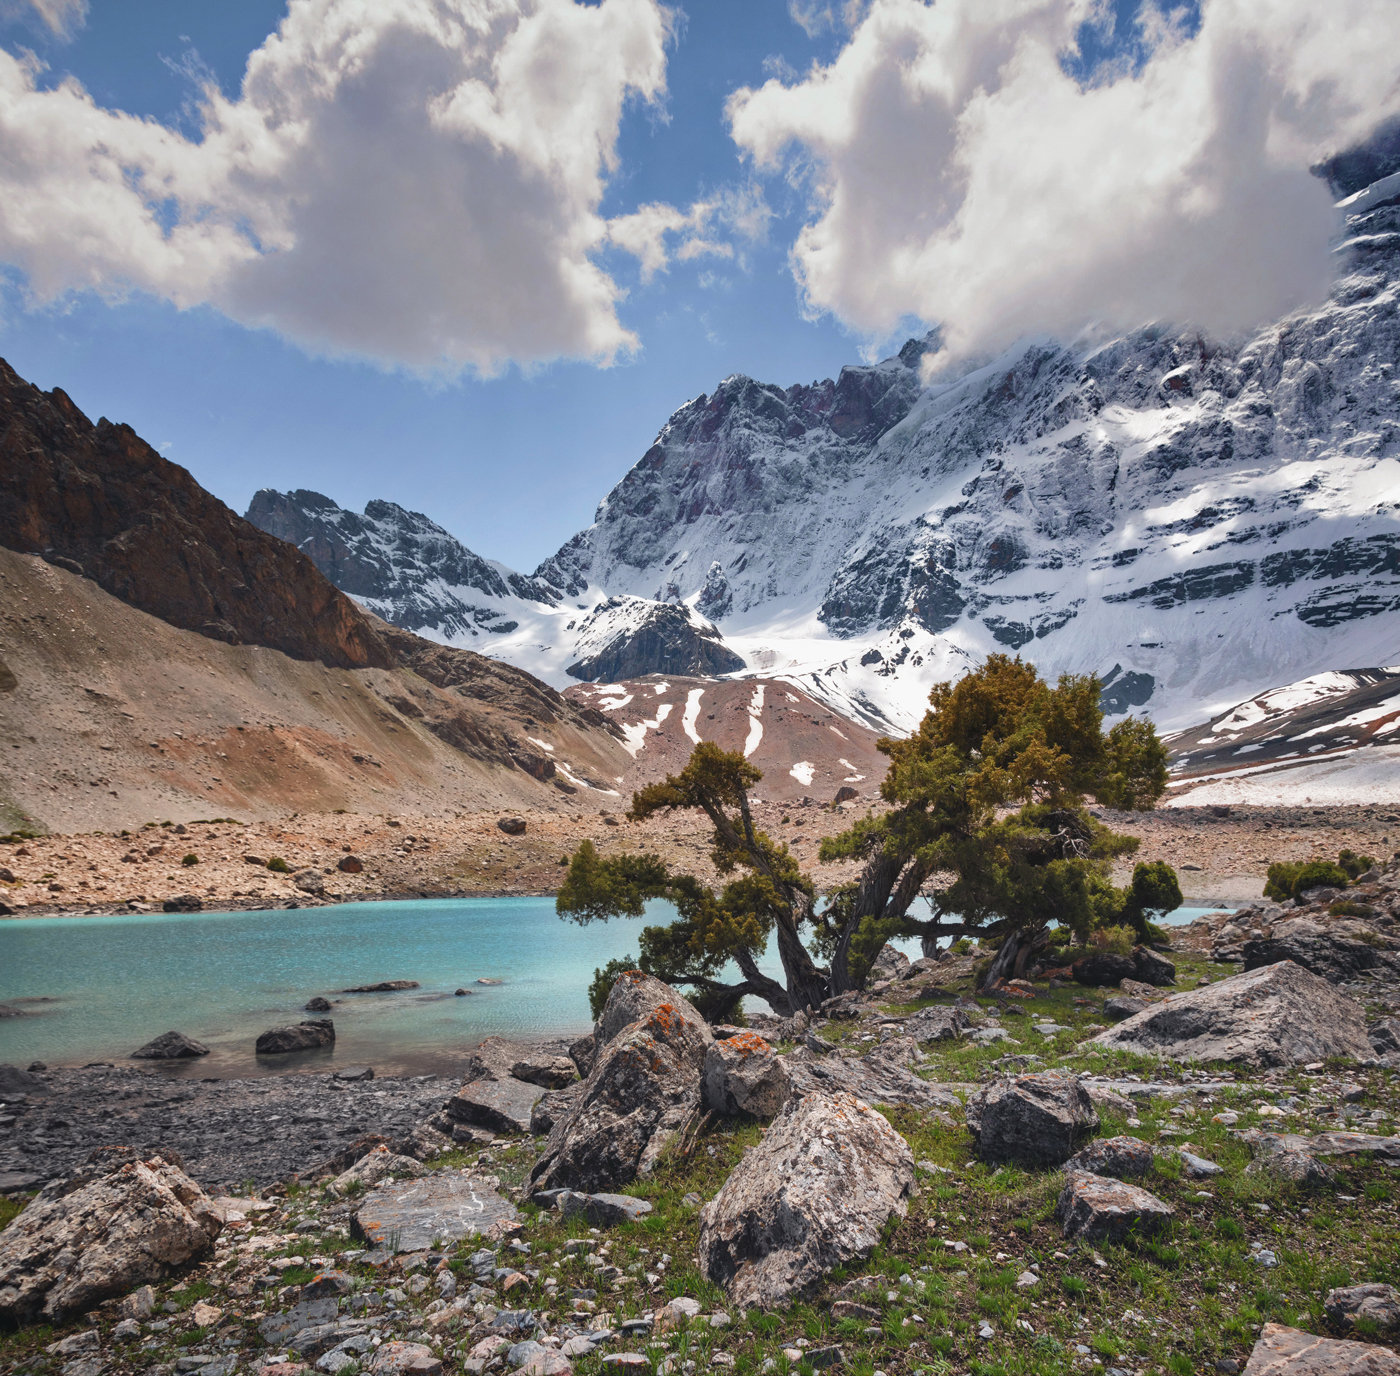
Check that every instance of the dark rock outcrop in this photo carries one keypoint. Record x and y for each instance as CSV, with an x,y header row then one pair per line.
x,y
1337,950
170,1046
663,639
303,1036
1036,1119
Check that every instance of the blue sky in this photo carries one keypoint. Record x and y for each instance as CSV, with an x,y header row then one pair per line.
x,y
512,465
1050,165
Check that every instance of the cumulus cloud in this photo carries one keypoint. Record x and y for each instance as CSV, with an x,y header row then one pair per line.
x,y
960,173
413,181
646,233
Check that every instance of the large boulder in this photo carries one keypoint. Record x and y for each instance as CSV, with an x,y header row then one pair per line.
x,y
373,1167
1339,951
742,1075
1035,1120
882,1076
1384,1036
633,996
303,1036
1275,1016
643,1091
499,1105
447,1205
170,1046
17,1084
73,1248
1103,969
1377,1303
1098,1208
814,1194
1284,1351
1152,968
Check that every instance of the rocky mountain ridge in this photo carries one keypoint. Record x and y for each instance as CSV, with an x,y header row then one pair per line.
x,y
1196,520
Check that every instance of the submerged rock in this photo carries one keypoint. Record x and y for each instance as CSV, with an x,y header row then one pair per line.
x,y
170,1046
813,1195
1275,1016
304,1036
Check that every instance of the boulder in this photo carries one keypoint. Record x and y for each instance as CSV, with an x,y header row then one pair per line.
x,y
1338,951
1384,1036
16,1083
404,1359
493,1059
170,1046
310,881
1284,1351
374,1166
552,1107
1378,1304
446,1204
812,1195
73,1248
642,1092
882,1076
1103,969
500,1105
550,1072
634,995
888,964
742,1075
350,864
304,1036
1275,1016
602,1210
318,1005
1152,968
1098,1208
512,826
183,903
1035,1120
1125,1158
937,1024
385,986
1121,1008
583,1053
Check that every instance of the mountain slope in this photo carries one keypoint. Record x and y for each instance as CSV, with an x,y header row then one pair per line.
x,y
1195,520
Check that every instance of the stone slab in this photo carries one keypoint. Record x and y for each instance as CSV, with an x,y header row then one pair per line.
x,y
406,1217
1284,1351
501,1105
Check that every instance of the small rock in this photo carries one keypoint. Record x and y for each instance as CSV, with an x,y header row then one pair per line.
x,y
1027,1280
318,1004
350,864
385,986
512,826
329,1284
1127,1158
304,1036
1377,1303
354,1072
1122,1007
602,1210
139,1304
170,1046
1099,1209
1197,1167
404,1359
205,1315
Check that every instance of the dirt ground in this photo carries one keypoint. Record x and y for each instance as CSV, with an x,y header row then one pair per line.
x,y
1220,860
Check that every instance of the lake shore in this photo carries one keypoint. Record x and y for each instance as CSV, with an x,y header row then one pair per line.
x,y
1219,858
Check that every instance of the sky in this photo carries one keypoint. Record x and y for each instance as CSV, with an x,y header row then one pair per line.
x,y
468,255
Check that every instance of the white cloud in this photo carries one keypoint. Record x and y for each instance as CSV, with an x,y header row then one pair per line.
x,y
958,174
413,181
741,211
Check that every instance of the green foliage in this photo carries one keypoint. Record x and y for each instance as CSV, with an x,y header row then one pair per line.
x,y
1347,907
279,865
1154,891
1355,865
1290,878
603,981
190,859
1116,941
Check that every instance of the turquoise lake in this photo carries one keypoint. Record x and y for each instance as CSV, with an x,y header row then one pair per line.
x,y
96,988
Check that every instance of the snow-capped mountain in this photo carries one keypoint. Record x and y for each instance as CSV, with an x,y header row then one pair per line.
x,y
1196,520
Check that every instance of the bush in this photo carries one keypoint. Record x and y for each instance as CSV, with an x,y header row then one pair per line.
x,y
1116,941
1289,878
279,865
190,859
1354,864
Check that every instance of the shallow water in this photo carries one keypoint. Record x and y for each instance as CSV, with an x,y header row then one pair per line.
x,y
96,988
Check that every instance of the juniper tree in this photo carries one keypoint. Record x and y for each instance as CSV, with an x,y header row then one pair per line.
x,y
986,822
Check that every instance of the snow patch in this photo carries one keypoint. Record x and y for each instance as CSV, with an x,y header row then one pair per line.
x,y
755,735
804,772
636,731
692,713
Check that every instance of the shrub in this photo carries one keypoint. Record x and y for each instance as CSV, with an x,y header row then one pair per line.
x,y
279,865
190,859
1347,907
1116,941
1354,864
1290,878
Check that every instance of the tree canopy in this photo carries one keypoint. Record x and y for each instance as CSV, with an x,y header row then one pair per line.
x,y
986,821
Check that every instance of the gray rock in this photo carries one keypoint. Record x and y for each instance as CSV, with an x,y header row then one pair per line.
x,y
1377,1303
642,1092
634,996
583,1053
354,1073
328,1285
304,1036
447,1204
15,1082
553,1107
404,1359
385,986
310,881
602,1210
277,1329
812,1195
1384,1036
888,964
937,1024
170,1046
742,1075
882,1076
1100,1209
318,1004
550,1072
1282,1351
1101,969
1127,1158
139,1304
1338,951
67,1252
1197,1167
1036,1119
1153,968
1275,1016
500,1105
1121,1007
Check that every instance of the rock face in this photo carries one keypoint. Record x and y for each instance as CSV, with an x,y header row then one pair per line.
x,y
170,1046
1125,1158
304,1036
103,501
644,1089
1377,1303
1384,1036
663,638
550,1072
1274,1016
633,996
812,1195
742,1075
881,1076
1284,1351
1338,950
69,1251
1099,1209
1035,1119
